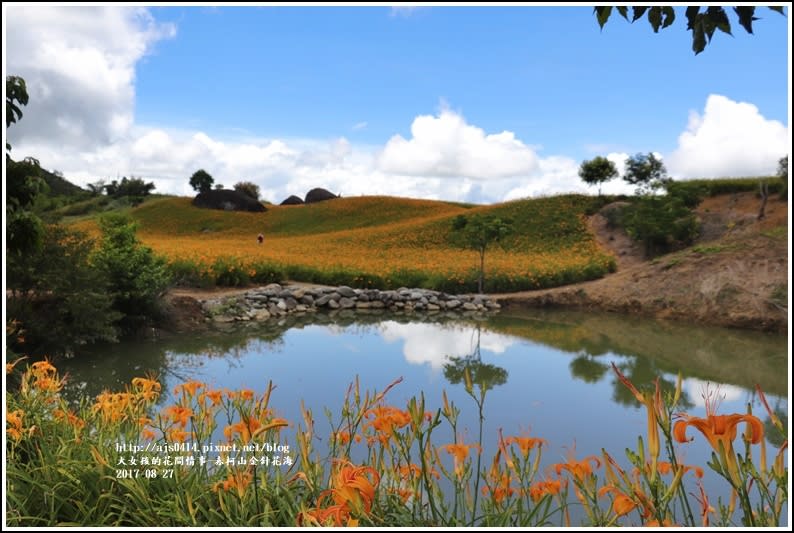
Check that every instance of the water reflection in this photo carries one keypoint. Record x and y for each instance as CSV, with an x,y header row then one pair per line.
x,y
484,375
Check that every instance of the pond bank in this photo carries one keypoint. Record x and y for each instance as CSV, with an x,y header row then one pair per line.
x,y
190,310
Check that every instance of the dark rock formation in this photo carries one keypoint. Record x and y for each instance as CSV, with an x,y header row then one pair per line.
x,y
319,195
292,200
228,200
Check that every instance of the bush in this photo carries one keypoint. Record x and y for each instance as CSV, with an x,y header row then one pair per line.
x,y
660,223
137,277
230,272
248,188
58,298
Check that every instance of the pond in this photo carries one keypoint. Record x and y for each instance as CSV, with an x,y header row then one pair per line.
x,y
547,372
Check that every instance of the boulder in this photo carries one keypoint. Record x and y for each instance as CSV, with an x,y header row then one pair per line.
x,y
228,200
319,195
292,200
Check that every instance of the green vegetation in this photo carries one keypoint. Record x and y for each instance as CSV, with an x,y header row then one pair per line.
x,y
248,188
717,187
597,171
702,21
404,475
478,232
201,181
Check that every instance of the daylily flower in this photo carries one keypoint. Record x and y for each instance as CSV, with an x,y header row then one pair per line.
x,y
539,489
720,430
579,469
525,443
655,408
622,504
459,452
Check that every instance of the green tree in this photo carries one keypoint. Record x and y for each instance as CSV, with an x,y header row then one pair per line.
x,y
24,229
58,297
597,171
248,188
782,173
137,277
201,181
478,232
133,188
646,172
702,21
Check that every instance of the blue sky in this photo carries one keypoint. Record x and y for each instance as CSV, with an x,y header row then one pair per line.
x,y
462,103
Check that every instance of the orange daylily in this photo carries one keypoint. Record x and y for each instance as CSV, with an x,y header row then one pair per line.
x,y
655,408
539,489
579,469
622,504
14,419
178,415
353,486
525,443
720,430
239,480
188,388
459,452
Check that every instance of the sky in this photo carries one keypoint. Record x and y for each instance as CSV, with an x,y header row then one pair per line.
x,y
478,104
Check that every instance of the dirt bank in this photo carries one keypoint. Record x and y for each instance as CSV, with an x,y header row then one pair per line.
x,y
735,275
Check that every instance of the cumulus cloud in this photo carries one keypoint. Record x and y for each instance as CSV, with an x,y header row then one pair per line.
x,y
79,67
699,390
434,345
445,146
729,139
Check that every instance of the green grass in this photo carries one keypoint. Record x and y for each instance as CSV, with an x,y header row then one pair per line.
x,y
716,187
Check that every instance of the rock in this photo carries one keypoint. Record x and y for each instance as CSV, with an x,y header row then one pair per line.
x,y
292,200
346,291
452,304
346,303
319,195
468,306
333,304
227,200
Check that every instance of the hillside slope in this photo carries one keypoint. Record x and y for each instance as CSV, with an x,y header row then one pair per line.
x,y
735,275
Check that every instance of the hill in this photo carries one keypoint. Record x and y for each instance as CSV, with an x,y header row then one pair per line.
x,y
379,242
60,186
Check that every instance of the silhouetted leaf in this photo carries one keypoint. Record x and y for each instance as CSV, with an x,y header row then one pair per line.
x,y
746,17
778,9
638,12
691,16
698,39
623,10
669,16
602,13
655,18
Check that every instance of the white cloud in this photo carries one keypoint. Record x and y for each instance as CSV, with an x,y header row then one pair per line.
x,y
729,139
445,146
434,345
360,126
79,67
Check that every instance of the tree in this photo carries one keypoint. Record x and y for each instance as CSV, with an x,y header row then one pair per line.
x,y
478,232
248,188
646,172
137,277
201,181
702,21
597,171
133,188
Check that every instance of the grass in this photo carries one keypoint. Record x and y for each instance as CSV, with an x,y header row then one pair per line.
x,y
70,465
716,187
379,242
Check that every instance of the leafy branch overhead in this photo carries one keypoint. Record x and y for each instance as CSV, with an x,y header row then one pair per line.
x,y
702,21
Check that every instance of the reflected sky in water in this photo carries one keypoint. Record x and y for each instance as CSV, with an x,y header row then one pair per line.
x,y
550,374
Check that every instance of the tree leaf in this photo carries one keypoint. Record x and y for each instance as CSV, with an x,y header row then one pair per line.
x,y
746,17
638,12
698,38
602,13
655,18
669,16
778,9
623,10
692,16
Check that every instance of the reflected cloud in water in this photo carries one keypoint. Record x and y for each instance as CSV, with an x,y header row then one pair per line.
x,y
435,345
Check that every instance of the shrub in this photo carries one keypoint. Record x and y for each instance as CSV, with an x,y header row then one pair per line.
x,y
660,223
137,277
57,296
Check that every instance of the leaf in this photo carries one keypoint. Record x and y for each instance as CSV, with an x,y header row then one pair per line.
x,y
778,9
669,16
692,16
655,18
746,17
623,10
720,19
698,38
638,12
602,13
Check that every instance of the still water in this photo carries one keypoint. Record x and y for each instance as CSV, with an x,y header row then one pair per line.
x,y
548,372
